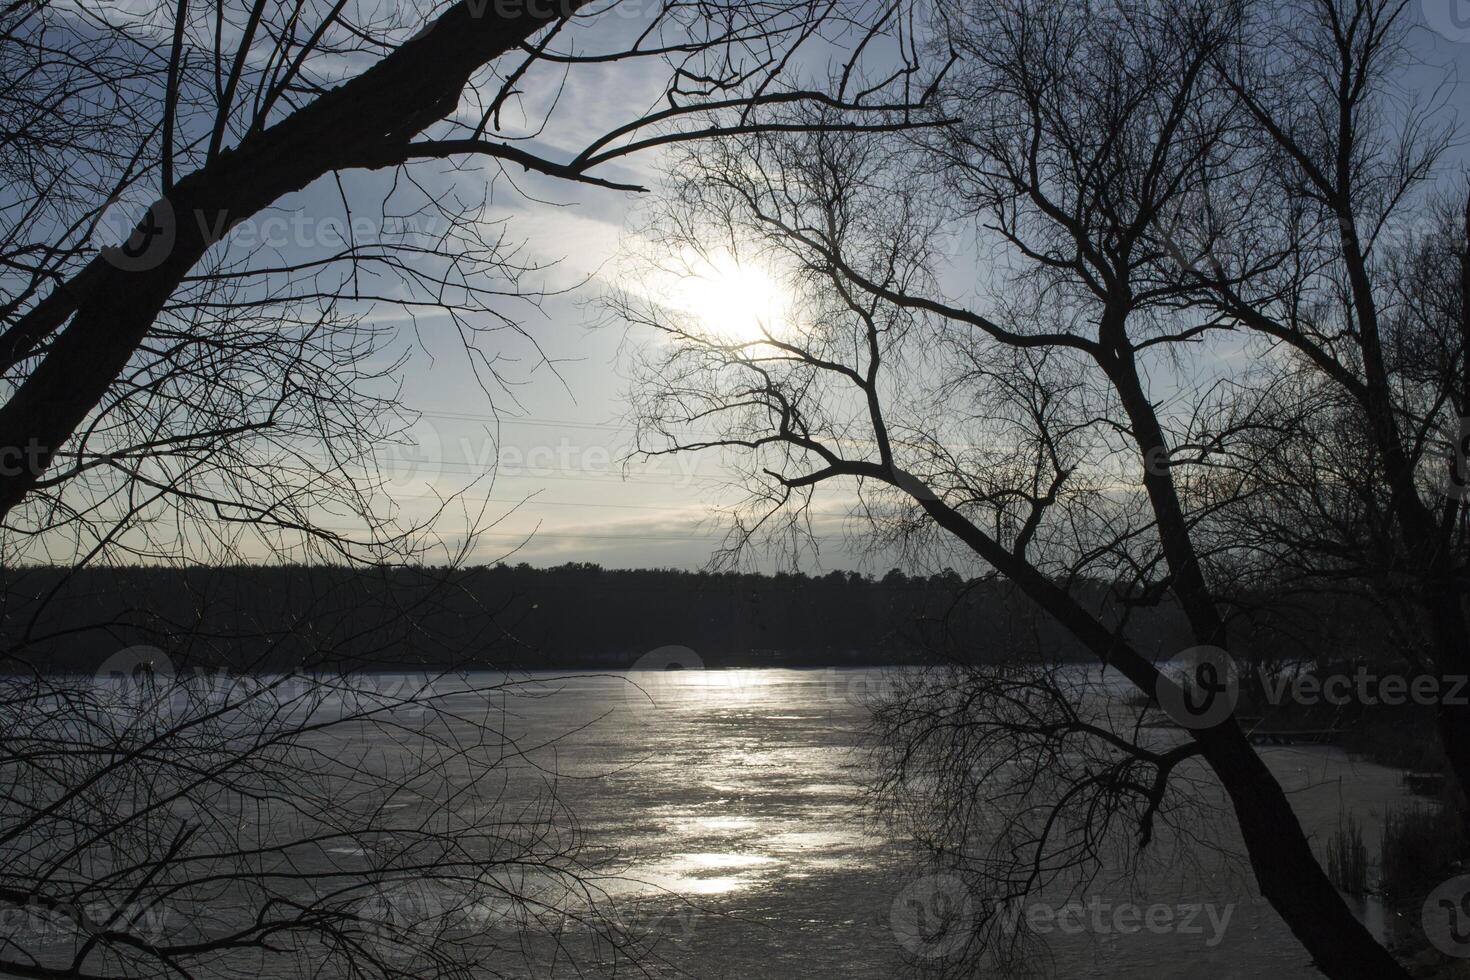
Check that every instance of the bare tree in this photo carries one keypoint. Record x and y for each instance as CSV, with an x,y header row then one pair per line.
x,y
1024,779
1091,149
1362,281
181,386
163,821
197,369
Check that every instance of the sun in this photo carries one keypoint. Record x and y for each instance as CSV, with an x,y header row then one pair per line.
x,y
733,301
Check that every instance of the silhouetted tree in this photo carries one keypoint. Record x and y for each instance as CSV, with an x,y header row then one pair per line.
x,y
1090,151
178,385
198,370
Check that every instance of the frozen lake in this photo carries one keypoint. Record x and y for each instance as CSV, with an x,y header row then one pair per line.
x,y
734,803
723,815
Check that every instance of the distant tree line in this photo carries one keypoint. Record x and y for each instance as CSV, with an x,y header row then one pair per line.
x,y
580,615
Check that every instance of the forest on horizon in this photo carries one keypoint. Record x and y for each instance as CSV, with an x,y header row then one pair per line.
x,y
580,616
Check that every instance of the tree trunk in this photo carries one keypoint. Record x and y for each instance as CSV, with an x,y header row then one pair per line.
x,y
365,123
1290,876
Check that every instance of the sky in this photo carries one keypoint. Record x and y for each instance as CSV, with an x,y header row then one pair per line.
x,y
553,460
552,453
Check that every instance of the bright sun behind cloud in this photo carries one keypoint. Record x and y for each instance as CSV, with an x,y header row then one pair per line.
x,y
733,301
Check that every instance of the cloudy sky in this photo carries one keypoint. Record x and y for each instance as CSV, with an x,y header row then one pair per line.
x,y
557,451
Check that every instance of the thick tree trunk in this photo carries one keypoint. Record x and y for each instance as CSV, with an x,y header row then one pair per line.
x,y
366,122
1289,874
1187,577
1427,540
